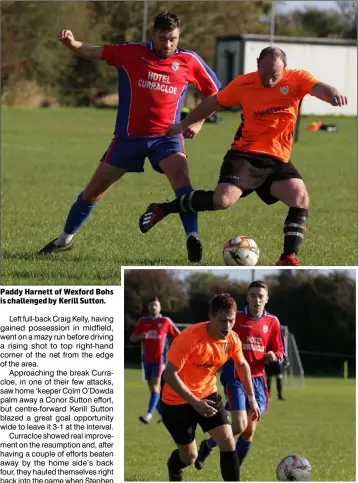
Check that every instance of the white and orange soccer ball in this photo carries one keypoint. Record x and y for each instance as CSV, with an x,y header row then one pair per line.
x,y
293,468
241,250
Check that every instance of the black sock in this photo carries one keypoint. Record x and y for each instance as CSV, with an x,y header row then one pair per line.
x,y
294,230
230,466
268,384
197,200
279,387
175,464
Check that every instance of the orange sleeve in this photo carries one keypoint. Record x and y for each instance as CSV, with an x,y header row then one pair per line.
x,y
180,350
231,95
305,81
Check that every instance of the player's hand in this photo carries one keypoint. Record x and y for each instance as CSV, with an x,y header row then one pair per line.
x,y
66,37
143,336
339,100
191,131
174,129
255,412
270,357
204,408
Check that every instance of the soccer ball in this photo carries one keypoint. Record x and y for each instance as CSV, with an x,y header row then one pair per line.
x,y
241,250
293,468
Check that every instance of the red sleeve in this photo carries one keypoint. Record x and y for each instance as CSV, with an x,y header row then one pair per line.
x,y
114,54
276,341
173,331
139,328
202,76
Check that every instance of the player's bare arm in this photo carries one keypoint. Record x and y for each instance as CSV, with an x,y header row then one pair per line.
x,y
329,94
171,377
83,49
244,373
203,110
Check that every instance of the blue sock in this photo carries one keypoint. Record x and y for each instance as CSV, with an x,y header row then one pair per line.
x,y
153,401
242,448
189,219
211,443
77,215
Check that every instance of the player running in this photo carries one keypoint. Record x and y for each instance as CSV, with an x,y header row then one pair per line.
x,y
261,339
189,394
153,79
259,158
153,331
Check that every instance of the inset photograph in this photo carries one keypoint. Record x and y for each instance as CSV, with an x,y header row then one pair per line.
x,y
227,367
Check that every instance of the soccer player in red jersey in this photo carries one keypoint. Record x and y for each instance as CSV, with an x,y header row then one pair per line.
x,y
189,395
153,331
259,158
153,79
261,339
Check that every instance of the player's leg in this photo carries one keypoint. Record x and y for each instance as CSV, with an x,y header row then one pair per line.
x,y
279,378
101,181
244,440
153,373
219,428
180,421
175,167
229,462
168,156
238,174
114,164
294,194
236,403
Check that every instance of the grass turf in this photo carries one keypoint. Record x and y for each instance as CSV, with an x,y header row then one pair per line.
x,y
317,421
49,155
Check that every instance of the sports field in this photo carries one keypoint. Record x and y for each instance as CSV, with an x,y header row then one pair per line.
x,y
49,155
317,421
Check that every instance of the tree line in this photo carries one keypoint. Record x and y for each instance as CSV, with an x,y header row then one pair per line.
x,y
319,309
33,59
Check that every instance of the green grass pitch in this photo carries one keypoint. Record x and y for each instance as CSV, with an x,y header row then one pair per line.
x,y
317,421
48,157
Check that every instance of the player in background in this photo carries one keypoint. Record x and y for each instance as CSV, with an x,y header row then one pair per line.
x,y
189,393
259,158
276,369
153,79
260,335
153,331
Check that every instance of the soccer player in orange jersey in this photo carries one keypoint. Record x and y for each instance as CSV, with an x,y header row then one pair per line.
x,y
189,393
259,158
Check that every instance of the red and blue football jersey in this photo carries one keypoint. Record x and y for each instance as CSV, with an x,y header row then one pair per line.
x,y
258,336
151,90
158,331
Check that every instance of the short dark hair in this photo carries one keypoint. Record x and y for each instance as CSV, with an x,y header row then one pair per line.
x,y
153,299
275,53
166,21
258,284
222,302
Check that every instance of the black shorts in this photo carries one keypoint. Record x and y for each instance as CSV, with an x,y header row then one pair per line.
x,y
255,172
181,419
273,369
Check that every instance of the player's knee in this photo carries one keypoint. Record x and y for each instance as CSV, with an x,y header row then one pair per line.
x,y
239,426
189,458
222,201
302,199
227,443
248,434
